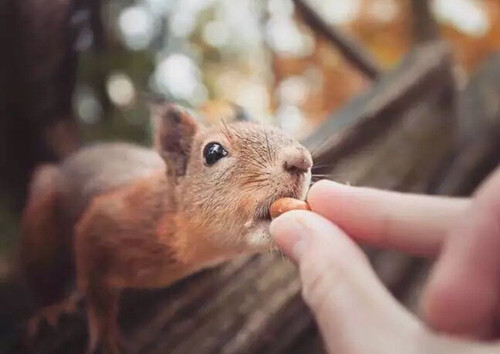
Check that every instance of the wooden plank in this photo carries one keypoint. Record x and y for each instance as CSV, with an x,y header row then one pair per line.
x,y
479,121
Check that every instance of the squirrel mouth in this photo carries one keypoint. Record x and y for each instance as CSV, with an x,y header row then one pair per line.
x,y
262,213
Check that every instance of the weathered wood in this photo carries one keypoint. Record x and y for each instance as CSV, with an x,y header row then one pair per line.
x,y
479,120
353,51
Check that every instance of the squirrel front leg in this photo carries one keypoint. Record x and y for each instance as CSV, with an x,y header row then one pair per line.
x,y
93,269
102,314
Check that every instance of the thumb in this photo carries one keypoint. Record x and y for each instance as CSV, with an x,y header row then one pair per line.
x,y
354,311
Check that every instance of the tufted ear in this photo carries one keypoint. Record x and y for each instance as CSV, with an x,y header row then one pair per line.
x,y
174,131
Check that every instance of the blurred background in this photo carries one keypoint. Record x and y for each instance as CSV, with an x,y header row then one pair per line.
x,y
257,54
77,71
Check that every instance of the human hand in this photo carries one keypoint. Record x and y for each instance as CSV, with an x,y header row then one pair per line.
x,y
353,309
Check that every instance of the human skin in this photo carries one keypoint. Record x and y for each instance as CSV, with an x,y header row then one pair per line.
x,y
355,313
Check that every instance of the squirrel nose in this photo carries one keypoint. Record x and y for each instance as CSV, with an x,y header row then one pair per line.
x,y
297,161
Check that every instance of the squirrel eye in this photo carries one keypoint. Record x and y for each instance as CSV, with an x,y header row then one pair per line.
x,y
213,152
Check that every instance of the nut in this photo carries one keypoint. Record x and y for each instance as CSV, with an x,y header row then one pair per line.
x,y
283,205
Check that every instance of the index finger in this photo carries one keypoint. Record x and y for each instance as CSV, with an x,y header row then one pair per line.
x,y
411,223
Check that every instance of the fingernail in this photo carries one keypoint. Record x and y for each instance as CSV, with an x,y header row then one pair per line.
x,y
292,233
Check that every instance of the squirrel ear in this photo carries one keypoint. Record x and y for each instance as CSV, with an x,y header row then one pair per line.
x,y
174,131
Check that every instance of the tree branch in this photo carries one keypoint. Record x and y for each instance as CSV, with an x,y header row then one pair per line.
x,y
349,47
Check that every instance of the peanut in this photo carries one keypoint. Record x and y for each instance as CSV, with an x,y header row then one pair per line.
x,y
283,205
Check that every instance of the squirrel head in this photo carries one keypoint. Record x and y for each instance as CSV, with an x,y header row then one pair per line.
x,y
225,177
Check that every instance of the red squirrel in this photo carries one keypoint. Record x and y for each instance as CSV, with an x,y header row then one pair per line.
x,y
124,216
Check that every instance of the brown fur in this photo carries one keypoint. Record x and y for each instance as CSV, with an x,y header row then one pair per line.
x,y
137,224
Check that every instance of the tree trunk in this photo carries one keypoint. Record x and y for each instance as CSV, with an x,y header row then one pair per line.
x,y
37,78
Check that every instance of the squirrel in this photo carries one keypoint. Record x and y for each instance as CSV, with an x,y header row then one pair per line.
x,y
122,216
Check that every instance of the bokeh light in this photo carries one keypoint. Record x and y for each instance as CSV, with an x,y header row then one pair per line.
x,y
87,105
120,89
178,76
137,26
260,54
468,16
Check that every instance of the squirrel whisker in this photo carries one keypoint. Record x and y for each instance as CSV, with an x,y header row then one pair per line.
x,y
255,163
268,147
226,131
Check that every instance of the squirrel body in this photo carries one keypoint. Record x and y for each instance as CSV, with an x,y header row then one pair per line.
x,y
123,216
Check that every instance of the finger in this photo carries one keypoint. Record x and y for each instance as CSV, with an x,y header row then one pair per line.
x,y
410,223
463,294
355,313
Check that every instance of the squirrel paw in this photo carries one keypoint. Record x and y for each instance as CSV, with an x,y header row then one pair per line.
x,y
51,314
